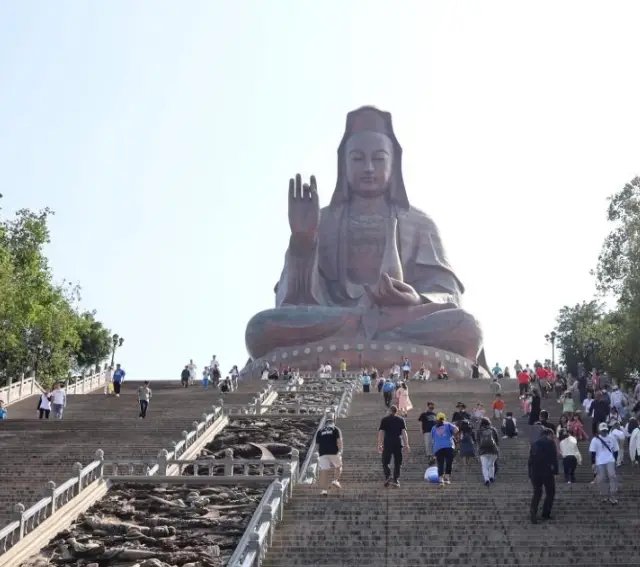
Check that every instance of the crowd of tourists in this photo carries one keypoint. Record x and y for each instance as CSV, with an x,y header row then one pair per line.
x,y
475,435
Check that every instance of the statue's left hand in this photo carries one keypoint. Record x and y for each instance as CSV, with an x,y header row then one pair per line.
x,y
390,292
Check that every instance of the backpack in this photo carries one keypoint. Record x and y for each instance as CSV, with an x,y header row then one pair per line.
x,y
487,442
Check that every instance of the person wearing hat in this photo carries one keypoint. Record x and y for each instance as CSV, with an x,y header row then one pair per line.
x,y
543,466
603,449
443,436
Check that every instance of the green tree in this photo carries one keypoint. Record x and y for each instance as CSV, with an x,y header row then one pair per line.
x,y
618,276
95,341
40,329
574,327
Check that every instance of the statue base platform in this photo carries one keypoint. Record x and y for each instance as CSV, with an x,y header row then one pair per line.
x,y
360,354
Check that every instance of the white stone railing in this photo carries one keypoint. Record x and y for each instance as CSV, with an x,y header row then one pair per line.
x,y
19,390
126,470
25,387
89,383
28,519
258,536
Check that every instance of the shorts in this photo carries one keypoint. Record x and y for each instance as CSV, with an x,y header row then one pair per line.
x,y
326,462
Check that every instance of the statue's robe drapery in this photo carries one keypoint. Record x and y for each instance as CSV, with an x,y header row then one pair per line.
x,y
424,263
313,301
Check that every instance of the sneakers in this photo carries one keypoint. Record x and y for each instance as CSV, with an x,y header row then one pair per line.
x,y
336,484
324,492
487,483
387,483
395,483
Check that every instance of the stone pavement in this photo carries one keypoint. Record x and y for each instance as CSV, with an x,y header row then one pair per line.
x,y
36,451
461,524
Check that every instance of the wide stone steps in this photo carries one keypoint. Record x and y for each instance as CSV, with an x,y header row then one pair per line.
x,y
464,523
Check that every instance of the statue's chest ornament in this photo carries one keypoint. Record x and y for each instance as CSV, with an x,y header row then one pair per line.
x,y
367,236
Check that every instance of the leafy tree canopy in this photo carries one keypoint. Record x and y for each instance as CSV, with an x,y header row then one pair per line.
x,y
616,332
41,328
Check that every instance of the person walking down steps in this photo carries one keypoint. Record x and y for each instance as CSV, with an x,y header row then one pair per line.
x,y
392,442
543,468
118,379
44,405
329,443
144,397
185,376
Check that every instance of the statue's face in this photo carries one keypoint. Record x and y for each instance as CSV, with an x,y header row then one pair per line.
x,y
369,163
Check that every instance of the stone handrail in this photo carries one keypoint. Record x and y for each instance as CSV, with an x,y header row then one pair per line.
x,y
27,520
190,437
346,399
19,390
253,545
111,469
86,384
308,470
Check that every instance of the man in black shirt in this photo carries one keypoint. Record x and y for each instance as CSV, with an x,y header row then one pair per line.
x,y
428,419
543,466
184,377
329,444
392,439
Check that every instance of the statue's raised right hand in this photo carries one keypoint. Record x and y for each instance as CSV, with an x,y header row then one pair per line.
x,y
304,207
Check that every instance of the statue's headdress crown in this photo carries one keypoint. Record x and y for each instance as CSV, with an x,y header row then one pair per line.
x,y
368,119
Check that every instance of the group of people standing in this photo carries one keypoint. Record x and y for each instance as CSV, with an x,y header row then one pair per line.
x,y
211,375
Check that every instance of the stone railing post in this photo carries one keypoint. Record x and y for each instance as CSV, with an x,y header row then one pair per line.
x,y
100,457
77,471
195,427
18,516
258,406
185,434
267,516
162,462
254,543
298,406
228,462
295,460
21,386
278,493
288,472
50,491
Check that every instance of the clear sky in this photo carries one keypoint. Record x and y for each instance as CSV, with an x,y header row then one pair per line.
x,y
164,133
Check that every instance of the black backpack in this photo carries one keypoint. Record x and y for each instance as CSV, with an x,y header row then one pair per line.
x,y
486,440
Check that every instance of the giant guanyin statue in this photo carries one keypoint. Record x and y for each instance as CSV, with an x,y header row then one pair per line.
x,y
365,278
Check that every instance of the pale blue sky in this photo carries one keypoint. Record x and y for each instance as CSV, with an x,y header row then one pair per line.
x,y
164,134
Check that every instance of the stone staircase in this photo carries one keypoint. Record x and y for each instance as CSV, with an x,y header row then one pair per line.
x,y
35,451
464,523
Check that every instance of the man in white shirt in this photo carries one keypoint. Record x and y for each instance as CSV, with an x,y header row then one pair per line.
x,y
603,461
192,372
58,400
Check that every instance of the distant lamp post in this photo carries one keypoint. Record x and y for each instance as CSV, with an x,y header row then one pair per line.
x,y
116,342
551,338
591,347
